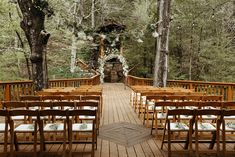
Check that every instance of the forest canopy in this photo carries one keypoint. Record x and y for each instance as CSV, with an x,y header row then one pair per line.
x,y
202,37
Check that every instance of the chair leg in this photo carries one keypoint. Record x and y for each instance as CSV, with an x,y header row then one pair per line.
x,y
223,139
153,120
12,140
164,133
196,140
16,142
169,140
5,139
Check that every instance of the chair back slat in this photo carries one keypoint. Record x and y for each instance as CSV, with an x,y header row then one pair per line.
x,y
13,104
207,112
176,112
82,112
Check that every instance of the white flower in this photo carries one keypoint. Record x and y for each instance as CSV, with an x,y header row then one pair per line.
x,y
140,40
155,34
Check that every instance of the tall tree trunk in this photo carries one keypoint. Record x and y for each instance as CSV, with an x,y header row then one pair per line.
x,y
191,54
78,16
33,26
93,14
161,58
73,54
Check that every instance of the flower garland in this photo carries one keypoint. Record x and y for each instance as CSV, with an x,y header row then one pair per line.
x,y
103,60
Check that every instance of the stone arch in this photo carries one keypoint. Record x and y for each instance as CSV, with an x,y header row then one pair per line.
x,y
102,62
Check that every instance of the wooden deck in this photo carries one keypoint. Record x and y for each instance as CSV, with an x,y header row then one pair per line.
x,y
117,110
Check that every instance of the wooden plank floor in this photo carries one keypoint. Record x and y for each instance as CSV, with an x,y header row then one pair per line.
x,y
117,109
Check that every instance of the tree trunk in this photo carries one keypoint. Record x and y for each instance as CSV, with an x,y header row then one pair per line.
x,y
73,54
161,58
93,14
33,26
191,54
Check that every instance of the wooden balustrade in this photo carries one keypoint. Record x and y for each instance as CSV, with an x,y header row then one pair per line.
x,y
12,90
227,90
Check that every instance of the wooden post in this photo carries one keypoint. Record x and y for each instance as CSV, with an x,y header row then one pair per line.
x,y
7,93
230,93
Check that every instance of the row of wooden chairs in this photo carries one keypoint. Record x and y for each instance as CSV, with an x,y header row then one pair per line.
x,y
95,97
137,100
60,105
149,107
40,126
55,98
161,107
194,125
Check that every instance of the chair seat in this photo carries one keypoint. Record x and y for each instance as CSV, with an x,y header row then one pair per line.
x,y
185,117
34,108
89,108
18,117
2,127
82,127
205,127
25,128
157,108
163,116
209,117
229,117
229,127
54,127
177,126
86,117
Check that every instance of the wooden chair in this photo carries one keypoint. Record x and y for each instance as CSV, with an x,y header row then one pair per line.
x,y
149,107
88,105
95,98
11,105
31,128
174,125
202,126
81,128
54,127
227,127
4,129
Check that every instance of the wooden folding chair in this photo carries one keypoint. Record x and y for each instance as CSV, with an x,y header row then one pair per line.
x,y
95,98
12,105
82,128
175,125
31,128
149,107
209,127
4,129
88,105
54,127
227,127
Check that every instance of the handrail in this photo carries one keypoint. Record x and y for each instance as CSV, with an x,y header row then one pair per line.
x,y
13,89
227,90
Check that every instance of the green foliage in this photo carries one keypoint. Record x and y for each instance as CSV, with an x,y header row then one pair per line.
x,y
202,29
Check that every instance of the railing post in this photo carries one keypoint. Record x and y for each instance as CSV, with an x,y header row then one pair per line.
x,y
191,86
230,93
7,93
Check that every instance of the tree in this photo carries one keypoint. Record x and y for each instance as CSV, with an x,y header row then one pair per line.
x,y
161,59
34,12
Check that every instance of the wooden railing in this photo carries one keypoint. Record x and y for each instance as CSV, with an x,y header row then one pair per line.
x,y
12,90
227,90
